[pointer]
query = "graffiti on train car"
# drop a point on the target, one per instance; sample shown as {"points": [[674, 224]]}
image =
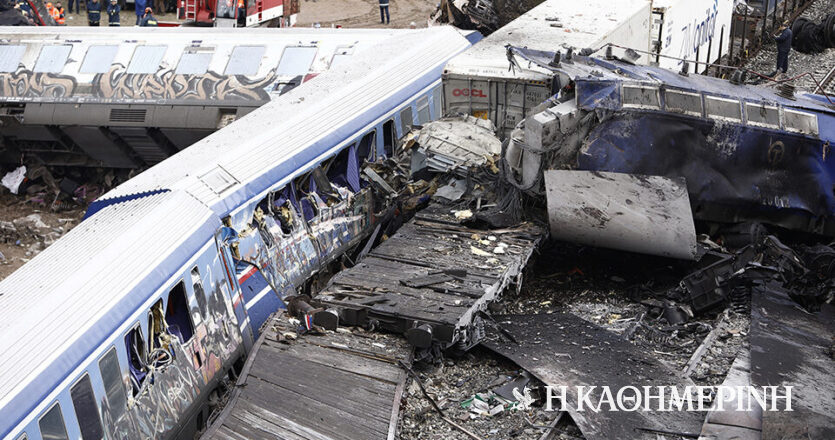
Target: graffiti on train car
{"points": [[117, 83], [24, 83], [170, 389]]}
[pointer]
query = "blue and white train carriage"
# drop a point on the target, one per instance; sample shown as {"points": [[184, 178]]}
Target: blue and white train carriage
{"points": [[123, 327]]}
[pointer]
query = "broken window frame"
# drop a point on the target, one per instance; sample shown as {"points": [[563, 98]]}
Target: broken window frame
{"points": [[814, 128], [391, 136], [371, 136], [199, 292], [654, 91], [185, 313], [275, 213], [86, 409], [55, 406], [136, 384], [753, 106], [720, 99], [300, 182]]}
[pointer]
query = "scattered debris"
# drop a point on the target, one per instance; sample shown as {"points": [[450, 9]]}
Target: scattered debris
{"points": [[456, 144]]}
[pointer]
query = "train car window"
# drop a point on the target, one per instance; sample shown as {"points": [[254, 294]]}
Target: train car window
{"points": [[52, 424], [52, 59], [309, 210], [194, 63], [23, 437], [245, 60], [763, 115], [199, 293], [98, 59], [111, 376], [802, 122], [437, 97], [135, 344], [640, 96], [295, 61], [86, 409], [406, 120], [177, 315], [146, 59], [365, 151], [680, 101], [723, 108], [10, 57], [389, 138], [423, 110]]}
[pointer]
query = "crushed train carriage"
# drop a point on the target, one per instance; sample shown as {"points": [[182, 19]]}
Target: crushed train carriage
{"points": [[152, 298]]}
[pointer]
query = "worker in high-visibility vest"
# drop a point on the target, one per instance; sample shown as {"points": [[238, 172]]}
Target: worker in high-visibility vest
{"points": [[241, 13], [58, 14]]}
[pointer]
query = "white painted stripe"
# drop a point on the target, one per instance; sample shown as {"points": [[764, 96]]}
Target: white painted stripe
{"points": [[258, 297]]}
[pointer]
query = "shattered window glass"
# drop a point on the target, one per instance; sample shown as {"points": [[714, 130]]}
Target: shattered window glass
{"points": [[295, 61], [52, 59], [52, 424], [761, 114], [423, 110], [146, 59], [800, 121], [640, 96], [723, 108], [245, 60], [683, 102], [10, 57], [194, 63], [98, 59]]}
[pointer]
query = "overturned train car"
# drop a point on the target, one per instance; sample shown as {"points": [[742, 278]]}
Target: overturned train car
{"points": [[124, 327], [747, 153]]}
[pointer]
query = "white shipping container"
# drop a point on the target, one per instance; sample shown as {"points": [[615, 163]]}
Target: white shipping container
{"points": [[479, 81], [685, 28]]}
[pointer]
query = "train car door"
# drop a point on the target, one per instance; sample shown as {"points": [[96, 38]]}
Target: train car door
{"points": [[224, 238]]}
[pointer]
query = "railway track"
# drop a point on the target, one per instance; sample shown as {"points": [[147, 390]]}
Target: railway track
{"points": [[827, 81]]}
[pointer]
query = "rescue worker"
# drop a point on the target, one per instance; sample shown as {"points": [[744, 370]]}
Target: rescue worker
{"points": [[113, 11], [148, 19], [226, 9], [384, 11], [11, 16], [77, 6], [93, 12], [58, 14], [784, 46], [159, 6], [24, 7], [140, 6], [241, 13]]}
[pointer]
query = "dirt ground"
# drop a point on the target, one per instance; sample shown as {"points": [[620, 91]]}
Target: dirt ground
{"points": [[347, 13], [364, 13]]}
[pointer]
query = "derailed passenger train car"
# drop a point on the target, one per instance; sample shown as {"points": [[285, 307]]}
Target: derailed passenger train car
{"points": [[123, 327], [747, 153]]}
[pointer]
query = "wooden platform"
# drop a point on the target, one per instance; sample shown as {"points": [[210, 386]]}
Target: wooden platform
{"points": [[340, 386], [430, 279]]}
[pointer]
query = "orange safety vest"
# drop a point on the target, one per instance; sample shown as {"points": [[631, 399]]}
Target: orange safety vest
{"points": [[240, 4], [58, 15]]}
